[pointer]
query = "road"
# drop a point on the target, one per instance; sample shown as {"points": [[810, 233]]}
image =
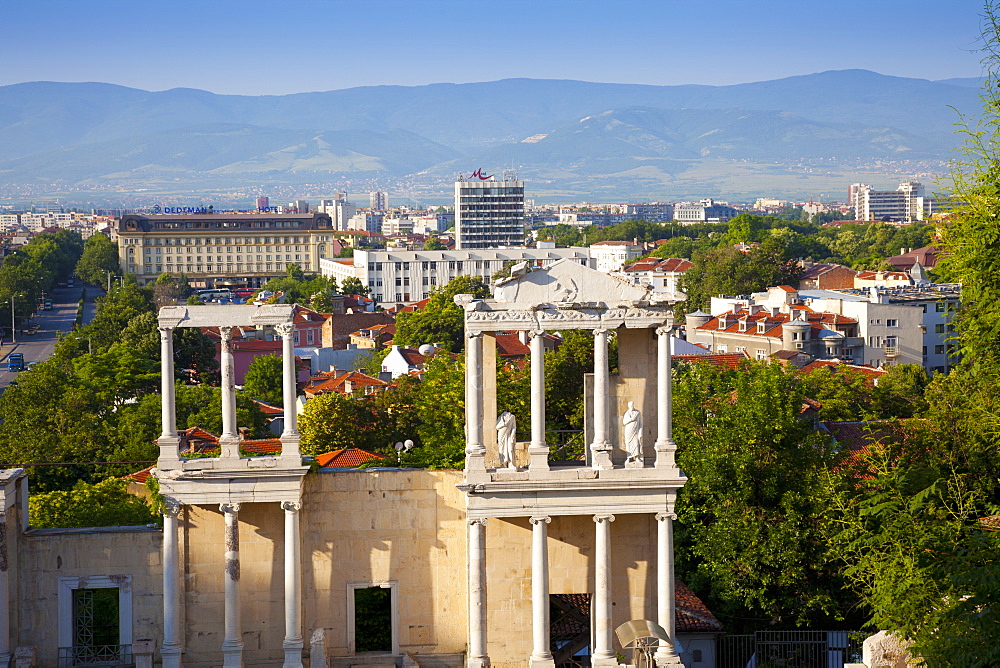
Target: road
{"points": [[38, 347]]}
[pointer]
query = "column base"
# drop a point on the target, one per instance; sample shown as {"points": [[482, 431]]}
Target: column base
{"points": [[611, 660], [170, 456], [538, 459], [171, 657], [229, 447], [541, 663], [665, 455], [232, 656], [601, 456], [667, 659], [477, 662], [293, 655]]}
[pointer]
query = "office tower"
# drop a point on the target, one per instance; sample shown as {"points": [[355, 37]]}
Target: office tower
{"points": [[489, 213]]}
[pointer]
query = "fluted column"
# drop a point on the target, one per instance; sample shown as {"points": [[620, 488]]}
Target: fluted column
{"points": [[229, 441], [538, 451], [290, 437], [603, 654], [665, 593], [5, 649], [232, 646], [168, 440], [475, 451], [478, 657], [665, 446], [293, 587], [173, 645], [541, 654], [601, 447]]}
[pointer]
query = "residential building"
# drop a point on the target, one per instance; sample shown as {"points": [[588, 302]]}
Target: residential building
{"points": [[365, 222], [907, 203], [705, 211], [900, 325], [826, 276], [222, 249], [343, 382], [780, 323], [926, 257], [660, 275], [397, 226], [343, 211], [378, 200], [489, 213], [657, 212], [611, 256], [406, 276]]}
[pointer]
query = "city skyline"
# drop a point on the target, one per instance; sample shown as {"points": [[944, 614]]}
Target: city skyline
{"points": [[261, 48]]}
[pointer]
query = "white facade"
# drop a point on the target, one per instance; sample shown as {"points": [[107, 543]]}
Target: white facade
{"points": [[489, 214], [408, 276], [907, 203], [613, 255]]}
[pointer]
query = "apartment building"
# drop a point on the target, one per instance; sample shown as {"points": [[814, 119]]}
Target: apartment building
{"points": [[908, 202], [402, 276]]}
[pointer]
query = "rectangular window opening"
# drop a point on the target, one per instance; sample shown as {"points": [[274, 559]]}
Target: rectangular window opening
{"points": [[374, 618]]}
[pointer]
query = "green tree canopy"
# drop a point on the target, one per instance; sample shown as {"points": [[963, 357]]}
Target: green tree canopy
{"points": [[441, 321], [103, 504], [263, 379], [100, 256]]}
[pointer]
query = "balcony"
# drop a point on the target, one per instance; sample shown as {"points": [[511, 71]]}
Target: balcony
{"points": [[891, 352]]}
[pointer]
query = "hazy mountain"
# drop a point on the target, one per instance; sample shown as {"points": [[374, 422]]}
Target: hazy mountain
{"points": [[92, 131]]}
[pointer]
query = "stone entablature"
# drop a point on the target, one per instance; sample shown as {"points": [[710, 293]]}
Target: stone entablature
{"points": [[568, 296]]}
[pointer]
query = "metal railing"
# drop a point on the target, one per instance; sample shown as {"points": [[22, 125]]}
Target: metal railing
{"points": [[96, 655], [790, 649]]}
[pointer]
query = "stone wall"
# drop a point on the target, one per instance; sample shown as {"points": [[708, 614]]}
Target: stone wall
{"points": [[402, 526]]}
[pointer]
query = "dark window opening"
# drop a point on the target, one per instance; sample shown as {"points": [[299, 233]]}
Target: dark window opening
{"points": [[373, 619], [569, 620]]}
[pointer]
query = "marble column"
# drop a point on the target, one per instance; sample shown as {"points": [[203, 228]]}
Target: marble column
{"points": [[665, 446], [229, 441], [475, 451], [293, 587], [5, 649], [173, 645], [538, 450], [290, 437], [478, 657], [541, 654], [601, 447], [232, 646], [665, 593], [602, 655], [168, 440]]}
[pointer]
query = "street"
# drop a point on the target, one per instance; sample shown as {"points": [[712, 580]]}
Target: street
{"points": [[38, 347]]}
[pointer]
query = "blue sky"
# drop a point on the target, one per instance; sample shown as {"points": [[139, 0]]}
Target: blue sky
{"points": [[286, 46]]}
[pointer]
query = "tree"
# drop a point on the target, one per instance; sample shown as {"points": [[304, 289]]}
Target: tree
{"points": [[264, 379], [441, 321], [433, 243], [751, 536], [727, 271], [294, 272], [103, 504], [100, 256], [166, 291], [353, 286]]}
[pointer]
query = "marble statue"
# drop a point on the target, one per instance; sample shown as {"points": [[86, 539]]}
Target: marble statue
{"points": [[632, 433], [506, 438]]}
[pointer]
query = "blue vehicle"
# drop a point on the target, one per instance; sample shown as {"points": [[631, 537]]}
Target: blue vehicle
{"points": [[15, 362]]}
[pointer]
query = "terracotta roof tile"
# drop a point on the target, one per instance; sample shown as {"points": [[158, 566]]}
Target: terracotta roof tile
{"points": [[346, 457], [691, 614], [140, 476]]}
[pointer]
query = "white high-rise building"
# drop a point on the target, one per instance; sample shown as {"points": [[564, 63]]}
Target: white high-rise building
{"points": [[489, 213], [378, 200], [908, 202]]}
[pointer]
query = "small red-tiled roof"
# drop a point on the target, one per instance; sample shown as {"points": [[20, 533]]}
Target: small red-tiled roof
{"points": [[691, 615], [883, 275], [139, 476], [723, 361], [346, 457], [787, 288], [335, 381], [509, 345], [269, 409], [262, 446], [412, 357], [730, 321], [415, 306], [677, 264]]}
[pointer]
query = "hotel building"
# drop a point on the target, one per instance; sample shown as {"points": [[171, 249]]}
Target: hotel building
{"points": [[489, 213], [222, 249]]}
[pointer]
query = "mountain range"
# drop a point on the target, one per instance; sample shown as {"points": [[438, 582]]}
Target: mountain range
{"points": [[580, 138]]}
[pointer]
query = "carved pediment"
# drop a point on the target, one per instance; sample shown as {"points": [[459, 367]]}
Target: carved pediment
{"points": [[567, 284]]}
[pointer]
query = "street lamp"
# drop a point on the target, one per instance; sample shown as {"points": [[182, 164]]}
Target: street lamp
{"points": [[13, 335]]}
